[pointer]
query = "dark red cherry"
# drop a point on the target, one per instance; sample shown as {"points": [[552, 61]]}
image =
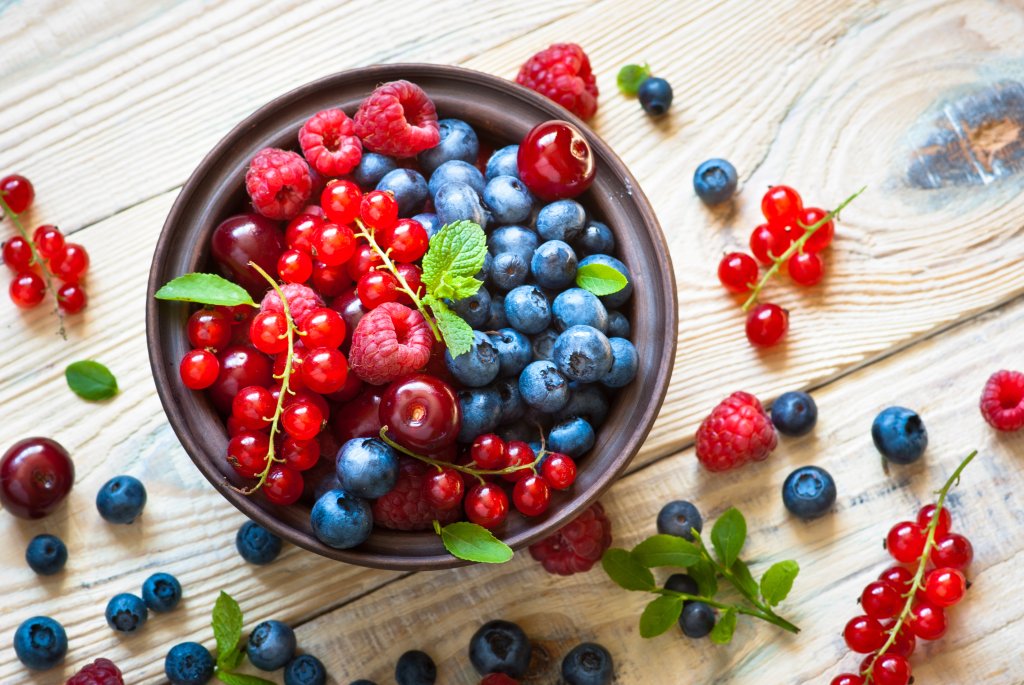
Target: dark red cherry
{"points": [[421, 413], [244, 238], [240, 367], [360, 418], [36, 474], [555, 160]]}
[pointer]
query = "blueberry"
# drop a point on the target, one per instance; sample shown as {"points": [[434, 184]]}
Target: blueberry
{"points": [[561, 220], [485, 271], [341, 520], [679, 518], [408, 187], [456, 172], [367, 467], [794, 413], [477, 367], [715, 181], [619, 298], [518, 430], [458, 141], [46, 554], [527, 309], [583, 353], [161, 592], [497, 318], [500, 647], [271, 645], [475, 309], [415, 668], [305, 669], [40, 643], [510, 401], [121, 499], [588, 664], [126, 613], [371, 169], [697, 619], [543, 345], [554, 265], [624, 364], [508, 271], [587, 402], [481, 412], [458, 202], [680, 582], [515, 239], [579, 307], [256, 544], [809, 492], [508, 199], [900, 435], [514, 351], [596, 238], [189, 663], [655, 96], [429, 222], [543, 387], [618, 325], [573, 436], [504, 162]]}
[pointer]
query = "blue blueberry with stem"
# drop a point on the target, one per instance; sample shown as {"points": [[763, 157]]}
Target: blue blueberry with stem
{"points": [[596, 238], [508, 199], [189, 663], [794, 413], [509, 270], [588, 664], [809, 492], [408, 187], [504, 162], [371, 169], [616, 299], [126, 613], [46, 554], [341, 520], [518, 240], [680, 518], [655, 96], [553, 265], [561, 220], [500, 647], [543, 344], [415, 668], [697, 619], [161, 592], [456, 171], [429, 222], [458, 142], [271, 645], [477, 367], [541, 386], [510, 401], [305, 669], [475, 309], [458, 202], [514, 351], [625, 362], [579, 307], [256, 544], [121, 499], [618, 325], [714, 181], [367, 467], [585, 401], [573, 436], [583, 353], [40, 643], [481, 412], [900, 435], [527, 309]]}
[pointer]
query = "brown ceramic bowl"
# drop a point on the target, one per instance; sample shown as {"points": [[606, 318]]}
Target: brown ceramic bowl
{"points": [[502, 112]]}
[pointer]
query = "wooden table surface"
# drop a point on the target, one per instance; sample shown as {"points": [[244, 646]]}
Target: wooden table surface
{"points": [[108, 106]]}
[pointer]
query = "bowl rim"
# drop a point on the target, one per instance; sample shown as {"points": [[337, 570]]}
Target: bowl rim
{"points": [[381, 73]]}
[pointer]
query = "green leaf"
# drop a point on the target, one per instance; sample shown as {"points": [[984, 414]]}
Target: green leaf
{"points": [[721, 634], [232, 660], [600, 279], [456, 252], [463, 286], [777, 581], [706, 576], [205, 289], [728, 536], [457, 334], [241, 679], [623, 568], [631, 76], [91, 380], [659, 615], [227, 629], [666, 550], [474, 543], [741, 572]]}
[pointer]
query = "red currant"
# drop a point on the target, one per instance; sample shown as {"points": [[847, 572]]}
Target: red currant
{"points": [[348, 391], [71, 298], [199, 369], [307, 397], [421, 412], [268, 332], [302, 420], [864, 634], [300, 455], [559, 470], [519, 454], [330, 281], [247, 453], [18, 254], [767, 324], [300, 232], [905, 542], [806, 268], [531, 495], [782, 206], [927, 620], [413, 277], [822, 237], [17, 192], [379, 210], [443, 489], [924, 519], [209, 328], [283, 485], [767, 242], [489, 452], [334, 244], [340, 201], [294, 266], [407, 240], [847, 679], [253, 407], [881, 600], [49, 241], [323, 327], [737, 272], [486, 505], [889, 669], [27, 289], [899, 577], [70, 263], [324, 370], [945, 586], [363, 261], [905, 641], [952, 550], [377, 287], [555, 161]]}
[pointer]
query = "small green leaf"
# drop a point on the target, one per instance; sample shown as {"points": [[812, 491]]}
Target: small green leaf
{"points": [[205, 289], [666, 550], [474, 543], [241, 679], [728, 536], [600, 279], [232, 660], [741, 572], [659, 615], [721, 634], [227, 629], [706, 576], [777, 581], [91, 380], [463, 286], [626, 571], [456, 251], [457, 334], [631, 76]]}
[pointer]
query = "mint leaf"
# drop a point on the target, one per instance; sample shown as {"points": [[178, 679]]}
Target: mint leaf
{"points": [[457, 334], [728, 536], [91, 380], [227, 629], [205, 289], [631, 76], [741, 572], [463, 287], [666, 550], [706, 576], [241, 679], [600, 279], [456, 252], [474, 543], [659, 615], [721, 634], [777, 581], [626, 571]]}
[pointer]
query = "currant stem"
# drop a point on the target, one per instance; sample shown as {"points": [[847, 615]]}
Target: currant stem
{"points": [[797, 246], [47, 274], [917, 584], [440, 465]]}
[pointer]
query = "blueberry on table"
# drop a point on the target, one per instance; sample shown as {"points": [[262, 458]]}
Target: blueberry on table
{"points": [[504, 162], [655, 96], [305, 669], [408, 187], [588, 664], [579, 307], [553, 265], [680, 518], [477, 367], [126, 613], [188, 663], [573, 437], [46, 554], [341, 520], [794, 413], [367, 467], [161, 592], [371, 169], [415, 668], [40, 643], [500, 647], [121, 499], [697, 619], [542, 387], [714, 181], [583, 353], [900, 435], [561, 220], [625, 362], [271, 645], [809, 492], [508, 199], [456, 171], [256, 544], [458, 142]]}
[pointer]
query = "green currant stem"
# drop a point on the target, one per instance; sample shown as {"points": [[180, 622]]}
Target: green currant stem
{"points": [[797, 246], [441, 465], [385, 256], [922, 564], [47, 275]]}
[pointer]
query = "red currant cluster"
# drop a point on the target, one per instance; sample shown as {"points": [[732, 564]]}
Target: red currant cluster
{"points": [[42, 258]]}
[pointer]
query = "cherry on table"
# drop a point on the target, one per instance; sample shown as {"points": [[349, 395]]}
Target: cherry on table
{"points": [[555, 161], [36, 474]]}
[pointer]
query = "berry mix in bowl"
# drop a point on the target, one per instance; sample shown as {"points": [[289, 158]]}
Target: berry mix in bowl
{"points": [[443, 316]]}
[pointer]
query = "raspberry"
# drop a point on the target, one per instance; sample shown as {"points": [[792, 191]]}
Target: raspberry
{"points": [[562, 73], [498, 679], [301, 301], [329, 143], [737, 431], [398, 120], [390, 341], [576, 547], [405, 507], [99, 672], [1002, 400], [279, 183]]}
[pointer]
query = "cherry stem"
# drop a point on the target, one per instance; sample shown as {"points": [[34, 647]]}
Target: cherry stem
{"points": [[922, 564], [797, 246], [36, 259]]}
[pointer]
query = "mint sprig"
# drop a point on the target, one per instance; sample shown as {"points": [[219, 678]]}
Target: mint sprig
{"points": [[227, 631]]}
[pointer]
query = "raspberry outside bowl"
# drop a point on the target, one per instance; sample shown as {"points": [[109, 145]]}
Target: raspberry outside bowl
{"points": [[502, 112]]}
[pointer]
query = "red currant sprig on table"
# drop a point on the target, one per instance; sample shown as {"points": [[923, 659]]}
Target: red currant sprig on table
{"points": [[905, 605], [794, 236]]}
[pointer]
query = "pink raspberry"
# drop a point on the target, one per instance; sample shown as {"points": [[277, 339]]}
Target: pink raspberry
{"points": [[577, 546], [389, 341], [562, 73], [279, 183], [398, 119], [736, 431], [301, 301], [99, 672], [1002, 401], [405, 507], [329, 143]]}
